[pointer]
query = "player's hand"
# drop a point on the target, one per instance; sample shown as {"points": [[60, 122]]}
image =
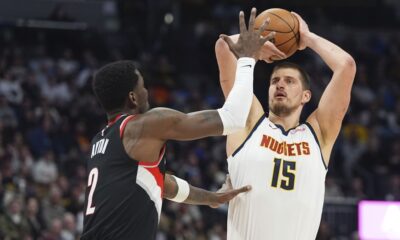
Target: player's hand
{"points": [[227, 193], [304, 31], [250, 40], [269, 51]]}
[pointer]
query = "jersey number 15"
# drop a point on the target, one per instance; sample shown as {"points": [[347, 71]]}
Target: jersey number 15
{"points": [[285, 172]]}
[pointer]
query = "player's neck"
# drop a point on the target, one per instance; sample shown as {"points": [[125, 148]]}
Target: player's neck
{"points": [[112, 115], [287, 122]]}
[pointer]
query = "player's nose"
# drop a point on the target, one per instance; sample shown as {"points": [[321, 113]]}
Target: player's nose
{"points": [[280, 85]]}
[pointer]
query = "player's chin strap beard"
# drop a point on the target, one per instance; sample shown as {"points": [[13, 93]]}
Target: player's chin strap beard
{"points": [[281, 111]]}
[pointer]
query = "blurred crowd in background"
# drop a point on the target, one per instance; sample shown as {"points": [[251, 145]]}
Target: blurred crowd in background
{"points": [[48, 113]]}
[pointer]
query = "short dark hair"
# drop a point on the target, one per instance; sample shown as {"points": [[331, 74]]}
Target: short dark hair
{"points": [[304, 77], [113, 82]]}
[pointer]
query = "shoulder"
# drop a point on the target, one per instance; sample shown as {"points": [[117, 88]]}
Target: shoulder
{"points": [[151, 123], [151, 115], [159, 113]]}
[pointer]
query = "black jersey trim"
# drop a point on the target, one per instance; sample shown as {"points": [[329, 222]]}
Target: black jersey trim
{"points": [[284, 132], [115, 119], [250, 134], [280, 127], [316, 139]]}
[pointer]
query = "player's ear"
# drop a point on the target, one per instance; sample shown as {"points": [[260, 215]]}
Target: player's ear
{"points": [[132, 99], [306, 96]]}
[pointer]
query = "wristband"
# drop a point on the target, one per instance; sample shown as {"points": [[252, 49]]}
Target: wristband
{"points": [[183, 190]]}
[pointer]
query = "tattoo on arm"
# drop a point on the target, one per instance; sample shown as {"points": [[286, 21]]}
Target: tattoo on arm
{"points": [[170, 124], [209, 116], [199, 196], [196, 195]]}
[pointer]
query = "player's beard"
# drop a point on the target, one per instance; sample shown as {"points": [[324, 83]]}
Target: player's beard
{"points": [[281, 110]]}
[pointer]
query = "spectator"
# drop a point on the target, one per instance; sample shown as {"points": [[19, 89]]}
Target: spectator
{"points": [[357, 189], [11, 89], [35, 221], [54, 232], [45, 170], [13, 224], [53, 206], [69, 227], [332, 189], [7, 115], [393, 193]]}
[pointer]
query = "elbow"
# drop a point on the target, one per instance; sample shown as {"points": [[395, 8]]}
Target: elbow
{"points": [[351, 63], [352, 66], [348, 64]]}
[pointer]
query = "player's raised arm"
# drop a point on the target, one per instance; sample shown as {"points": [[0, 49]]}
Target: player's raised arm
{"points": [[334, 102], [227, 64], [227, 61], [170, 124], [178, 190]]}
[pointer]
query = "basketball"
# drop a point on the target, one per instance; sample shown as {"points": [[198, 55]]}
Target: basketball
{"points": [[286, 27]]}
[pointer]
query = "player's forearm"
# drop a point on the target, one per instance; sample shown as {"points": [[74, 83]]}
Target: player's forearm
{"points": [[226, 64], [336, 58], [196, 196]]}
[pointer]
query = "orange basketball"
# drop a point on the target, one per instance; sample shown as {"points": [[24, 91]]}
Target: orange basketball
{"points": [[286, 27]]}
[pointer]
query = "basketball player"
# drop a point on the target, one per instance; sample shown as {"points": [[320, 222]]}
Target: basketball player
{"points": [[285, 161], [126, 168]]}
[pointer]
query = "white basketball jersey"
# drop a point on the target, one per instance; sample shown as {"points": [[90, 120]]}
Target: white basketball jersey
{"points": [[287, 174]]}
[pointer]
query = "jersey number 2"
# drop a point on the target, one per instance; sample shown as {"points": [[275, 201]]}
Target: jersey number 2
{"points": [[92, 182], [286, 174]]}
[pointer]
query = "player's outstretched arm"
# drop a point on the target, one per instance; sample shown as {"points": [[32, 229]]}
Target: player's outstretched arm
{"points": [[178, 190], [227, 61], [166, 124], [335, 100]]}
